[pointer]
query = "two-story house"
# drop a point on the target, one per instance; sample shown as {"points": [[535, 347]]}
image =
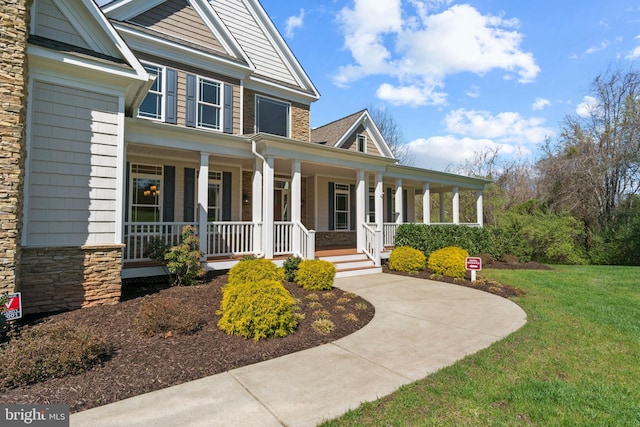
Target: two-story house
{"points": [[143, 116]]}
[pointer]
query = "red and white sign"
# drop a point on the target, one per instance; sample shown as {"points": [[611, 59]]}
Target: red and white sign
{"points": [[13, 306], [474, 263]]}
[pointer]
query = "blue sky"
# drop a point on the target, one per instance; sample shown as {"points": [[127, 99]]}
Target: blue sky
{"points": [[458, 76]]}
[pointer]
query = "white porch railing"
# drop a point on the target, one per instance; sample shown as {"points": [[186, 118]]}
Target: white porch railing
{"points": [[307, 242], [226, 238], [372, 240], [138, 235], [389, 234], [282, 237]]}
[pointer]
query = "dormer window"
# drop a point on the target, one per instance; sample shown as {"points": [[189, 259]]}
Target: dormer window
{"points": [[272, 116], [361, 141], [152, 106]]}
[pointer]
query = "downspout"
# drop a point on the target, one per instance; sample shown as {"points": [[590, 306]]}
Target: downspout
{"points": [[259, 156]]}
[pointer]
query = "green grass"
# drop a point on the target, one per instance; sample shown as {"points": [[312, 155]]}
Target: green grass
{"points": [[575, 363]]}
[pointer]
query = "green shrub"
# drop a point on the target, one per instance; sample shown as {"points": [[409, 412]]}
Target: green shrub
{"points": [[291, 267], [49, 351], [315, 274], [404, 258], [449, 261], [158, 316], [183, 260], [257, 310], [255, 270]]}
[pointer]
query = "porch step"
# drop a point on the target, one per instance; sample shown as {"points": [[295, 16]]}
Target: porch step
{"points": [[354, 264]]}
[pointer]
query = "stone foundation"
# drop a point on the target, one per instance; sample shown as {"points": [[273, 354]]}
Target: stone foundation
{"points": [[55, 279], [327, 239]]}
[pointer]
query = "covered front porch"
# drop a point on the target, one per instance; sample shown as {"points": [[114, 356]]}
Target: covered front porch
{"points": [[273, 197]]}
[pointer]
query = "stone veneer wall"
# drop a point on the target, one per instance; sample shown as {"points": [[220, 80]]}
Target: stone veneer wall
{"points": [[54, 279], [300, 121], [14, 31]]}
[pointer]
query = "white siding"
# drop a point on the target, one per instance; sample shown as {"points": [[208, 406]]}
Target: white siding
{"points": [[51, 23], [73, 165], [253, 40]]}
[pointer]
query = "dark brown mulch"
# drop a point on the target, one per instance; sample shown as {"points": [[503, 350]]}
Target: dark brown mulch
{"points": [[141, 364], [491, 286]]}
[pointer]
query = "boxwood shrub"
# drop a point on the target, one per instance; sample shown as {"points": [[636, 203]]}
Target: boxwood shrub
{"points": [[255, 270], [406, 259], [315, 274], [449, 261]]}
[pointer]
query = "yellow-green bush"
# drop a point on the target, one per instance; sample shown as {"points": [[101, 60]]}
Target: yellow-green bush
{"points": [[449, 261], [404, 258], [257, 310], [315, 274], [255, 270]]}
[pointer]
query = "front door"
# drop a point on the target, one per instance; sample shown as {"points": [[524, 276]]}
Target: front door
{"points": [[281, 200]]}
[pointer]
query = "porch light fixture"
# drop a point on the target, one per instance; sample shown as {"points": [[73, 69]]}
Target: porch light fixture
{"points": [[152, 191]]}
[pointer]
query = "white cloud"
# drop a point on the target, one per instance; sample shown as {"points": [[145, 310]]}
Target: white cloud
{"points": [[441, 152], [635, 53], [602, 46], [587, 106], [507, 127], [540, 104], [293, 23], [419, 50], [473, 92]]}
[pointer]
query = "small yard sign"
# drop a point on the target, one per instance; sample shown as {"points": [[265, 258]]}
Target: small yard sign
{"points": [[474, 264], [13, 306]]}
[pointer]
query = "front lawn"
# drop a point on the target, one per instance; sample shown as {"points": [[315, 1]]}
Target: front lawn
{"points": [[575, 362]]}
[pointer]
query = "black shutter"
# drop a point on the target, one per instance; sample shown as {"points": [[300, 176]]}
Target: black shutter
{"points": [[171, 99], [227, 114], [352, 206], [226, 196], [168, 194], [189, 194], [332, 201], [191, 100], [390, 205], [405, 213]]}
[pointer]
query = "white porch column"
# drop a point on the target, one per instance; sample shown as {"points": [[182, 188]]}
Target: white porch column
{"points": [[456, 205], [399, 205], [360, 207], [479, 209], [441, 194], [267, 207], [256, 205], [203, 202], [296, 203], [426, 203]]}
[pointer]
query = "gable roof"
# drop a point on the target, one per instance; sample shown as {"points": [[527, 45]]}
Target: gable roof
{"points": [[88, 40], [243, 40], [336, 133]]}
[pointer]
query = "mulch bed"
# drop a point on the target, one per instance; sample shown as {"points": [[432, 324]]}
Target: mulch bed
{"points": [[140, 364]]}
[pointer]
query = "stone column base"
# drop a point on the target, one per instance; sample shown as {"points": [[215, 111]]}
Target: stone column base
{"points": [[67, 278]]}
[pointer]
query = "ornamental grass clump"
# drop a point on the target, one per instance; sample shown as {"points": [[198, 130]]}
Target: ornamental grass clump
{"points": [[407, 259], [256, 310], [50, 351], [449, 261], [315, 274], [255, 270]]}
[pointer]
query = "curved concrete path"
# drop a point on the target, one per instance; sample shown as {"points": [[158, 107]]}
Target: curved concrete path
{"points": [[419, 327]]}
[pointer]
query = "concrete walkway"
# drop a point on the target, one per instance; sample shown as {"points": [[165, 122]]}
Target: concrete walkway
{"points": [[419, 327]]}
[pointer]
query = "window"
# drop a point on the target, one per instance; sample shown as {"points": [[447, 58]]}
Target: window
{"points": [[361, 141], [372, 204], [152, 106], [145, 193], [342, 207], [272, 116], [215, 196], [209, 102]]}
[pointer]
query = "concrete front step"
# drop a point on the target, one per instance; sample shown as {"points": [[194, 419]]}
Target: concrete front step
{"points": [[349, 265], [358, 272], [345, 258]]}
